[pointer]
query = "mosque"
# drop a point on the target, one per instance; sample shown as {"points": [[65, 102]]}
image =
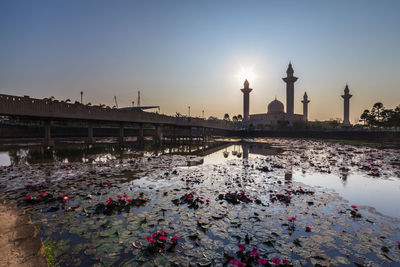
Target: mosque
{"points": [[276, 109]]}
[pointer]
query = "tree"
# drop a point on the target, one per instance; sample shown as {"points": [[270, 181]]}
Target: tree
{"points": [[377, 110], [282, 123], [240, 118], [226, 117], [234, 119], [334, 123], [68, 100]]}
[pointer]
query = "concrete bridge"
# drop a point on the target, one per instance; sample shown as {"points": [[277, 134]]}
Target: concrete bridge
{"points": [[48, 110]]}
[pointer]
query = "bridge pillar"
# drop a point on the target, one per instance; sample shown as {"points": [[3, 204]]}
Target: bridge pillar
{"points": [[90, 139], [47, 134], [190, 134], [158, 133], [121, 132], [140, 137]]}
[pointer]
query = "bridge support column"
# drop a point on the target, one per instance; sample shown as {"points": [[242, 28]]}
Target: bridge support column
{"points": [[191, 134], [121, 132], [47, 134], [90, 139], [158, 133], [140, 137]]}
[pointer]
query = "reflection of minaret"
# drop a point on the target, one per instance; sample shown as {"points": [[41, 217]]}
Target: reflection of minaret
{"points": [[305, 102], [346, 98], [288, 176], [245, 148], [343, 177], [289, 80], [246, 100]]}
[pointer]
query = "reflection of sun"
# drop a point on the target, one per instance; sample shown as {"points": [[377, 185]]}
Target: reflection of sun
{"points": [[246, 73]]}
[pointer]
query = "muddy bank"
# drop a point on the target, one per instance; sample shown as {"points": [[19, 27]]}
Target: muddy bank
{"points": [[20, 245]]}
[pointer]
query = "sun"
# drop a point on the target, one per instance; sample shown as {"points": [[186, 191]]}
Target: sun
{"points": [[246, 73]]}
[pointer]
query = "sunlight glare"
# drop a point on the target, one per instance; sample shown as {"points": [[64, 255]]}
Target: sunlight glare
{"points": [[246, 73]]}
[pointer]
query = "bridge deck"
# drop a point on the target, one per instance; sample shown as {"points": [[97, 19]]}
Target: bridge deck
{"points": [[46, 109]]}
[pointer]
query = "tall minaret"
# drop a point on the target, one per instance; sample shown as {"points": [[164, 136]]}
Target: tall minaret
{"points": [[305, 102], [346, 97], [246, 100], [289, 80]]}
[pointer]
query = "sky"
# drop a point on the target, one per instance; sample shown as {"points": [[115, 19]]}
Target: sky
{"points": [[193, 53]]}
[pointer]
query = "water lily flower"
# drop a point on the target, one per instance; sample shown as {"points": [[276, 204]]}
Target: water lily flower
{"points": [[285, 261], [148, 237], [119, 196], [292, 219], [63, 191], [151, 241], [129, 200], [241, 247], [354, 206], [137, 203], [42, 193], [262, 261], [174, 239], [27, 197], [276, 261], [162, 237], [154, 235], [398, 243]]}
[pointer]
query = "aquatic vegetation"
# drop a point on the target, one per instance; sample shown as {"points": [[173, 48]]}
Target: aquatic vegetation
{"points": [[113, 207], [191, 199], [252, 257], [237, 198], [116, 206]]}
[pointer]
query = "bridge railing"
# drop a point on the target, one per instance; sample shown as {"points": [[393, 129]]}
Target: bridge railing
{"points": [[53, 109]]}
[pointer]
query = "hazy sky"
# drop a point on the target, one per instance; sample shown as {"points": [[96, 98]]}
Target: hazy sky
{"points": [[190, 53]]}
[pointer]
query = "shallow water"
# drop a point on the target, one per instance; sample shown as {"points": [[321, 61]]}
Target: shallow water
{"points": [[158, 179]]}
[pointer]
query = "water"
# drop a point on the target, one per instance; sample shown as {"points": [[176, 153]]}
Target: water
{"points": [[332, 178]]}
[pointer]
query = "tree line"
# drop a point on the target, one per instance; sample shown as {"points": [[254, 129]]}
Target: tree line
{"points": [[379, 116]]}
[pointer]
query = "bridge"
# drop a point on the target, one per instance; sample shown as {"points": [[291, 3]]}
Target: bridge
{"points": [[48, 110]]}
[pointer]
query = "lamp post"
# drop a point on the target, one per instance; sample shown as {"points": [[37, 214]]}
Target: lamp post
{"points": [[81, 97], [189, 110], [202, 113]]}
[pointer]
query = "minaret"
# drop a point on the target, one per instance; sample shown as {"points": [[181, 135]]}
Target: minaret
{"points": [[346, 97], [289, 80], [246, 100], [305, 102]]}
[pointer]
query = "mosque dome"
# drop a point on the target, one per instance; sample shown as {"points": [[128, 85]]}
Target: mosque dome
{"points": [[275, 107]]}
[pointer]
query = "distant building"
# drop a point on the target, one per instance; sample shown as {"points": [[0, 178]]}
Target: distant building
{"points": [[276, 109]]}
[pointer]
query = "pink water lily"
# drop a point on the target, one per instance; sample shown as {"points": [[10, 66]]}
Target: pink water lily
{"points": [[262, 261], [308, 229], [285, 261], [276, 261], [292, 219], [148, 238]]}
